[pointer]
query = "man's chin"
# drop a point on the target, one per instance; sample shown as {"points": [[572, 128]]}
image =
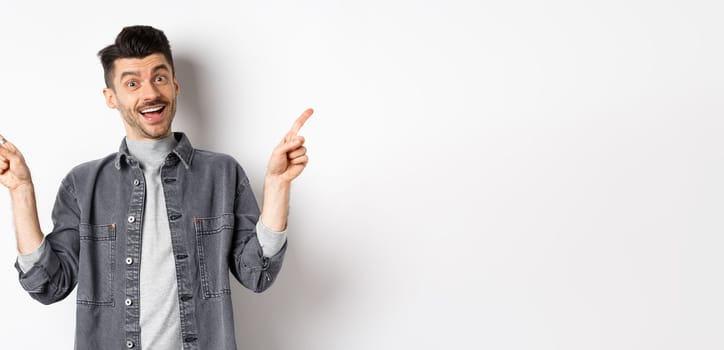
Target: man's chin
{"points": [[156, 134]]}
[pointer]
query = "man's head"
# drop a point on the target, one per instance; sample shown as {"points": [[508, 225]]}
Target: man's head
{"points": [[141, 82], [134, 42]]}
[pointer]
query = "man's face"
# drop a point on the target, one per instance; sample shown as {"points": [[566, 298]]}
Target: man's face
{"points": [[144, 91]]}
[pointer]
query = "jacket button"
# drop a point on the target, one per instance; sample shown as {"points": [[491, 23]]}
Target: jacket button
{"points": [[129, 261], [129, 344], [136, 182], [131, 219], [129, 302]]}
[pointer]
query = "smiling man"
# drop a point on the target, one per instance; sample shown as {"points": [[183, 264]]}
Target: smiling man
{"points": [[150, 233]]}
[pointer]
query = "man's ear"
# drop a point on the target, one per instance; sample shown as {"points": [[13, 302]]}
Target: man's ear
{"points": [[175, 82], [110, 98]]}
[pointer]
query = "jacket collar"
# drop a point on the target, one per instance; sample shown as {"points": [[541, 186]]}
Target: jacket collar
{"points": [[183, 151]]}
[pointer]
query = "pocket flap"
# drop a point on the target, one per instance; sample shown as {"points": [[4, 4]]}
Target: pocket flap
{"points": [[97, 232], [210, 226]]}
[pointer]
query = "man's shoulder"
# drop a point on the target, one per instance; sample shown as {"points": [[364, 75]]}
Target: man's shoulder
{"points": [[92, 166], [217, 163], [213, 158]]}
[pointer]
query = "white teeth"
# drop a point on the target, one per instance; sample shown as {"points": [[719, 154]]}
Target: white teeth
{"points": [[151, 110]]}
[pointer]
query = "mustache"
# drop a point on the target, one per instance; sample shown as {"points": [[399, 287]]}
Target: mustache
{"points": [[158, 101]]}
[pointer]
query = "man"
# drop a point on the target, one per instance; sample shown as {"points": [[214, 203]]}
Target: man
{"points": [[150, 233]]}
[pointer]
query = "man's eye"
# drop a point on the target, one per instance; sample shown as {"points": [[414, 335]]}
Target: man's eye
{"points": [[131, 84], [160, 79]]}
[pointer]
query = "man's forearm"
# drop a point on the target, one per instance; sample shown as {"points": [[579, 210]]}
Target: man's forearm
{"points": [[276, 204], [286, 163], [25, 212]]}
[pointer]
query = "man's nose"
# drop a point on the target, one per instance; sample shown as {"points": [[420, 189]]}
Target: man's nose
{"points": [[149, 92]]}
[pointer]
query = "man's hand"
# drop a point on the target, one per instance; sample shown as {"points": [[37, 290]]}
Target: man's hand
{"points": [[13, 171], [286, 163], [15, 175], [290, 156]]}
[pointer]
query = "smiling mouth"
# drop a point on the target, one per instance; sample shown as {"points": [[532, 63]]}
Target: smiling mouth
{"points": [[153, 114], [157, 109]]}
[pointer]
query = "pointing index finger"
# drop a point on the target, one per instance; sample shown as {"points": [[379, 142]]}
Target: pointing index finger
{"points": [[4, 143], [300, 122]]}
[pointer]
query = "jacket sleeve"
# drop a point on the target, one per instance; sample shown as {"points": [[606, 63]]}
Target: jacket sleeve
{"points": [[55, 273], [247, 261]]}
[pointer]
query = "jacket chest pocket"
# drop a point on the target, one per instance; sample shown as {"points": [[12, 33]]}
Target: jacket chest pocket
{"points": [[213, 241], [95, 275]]}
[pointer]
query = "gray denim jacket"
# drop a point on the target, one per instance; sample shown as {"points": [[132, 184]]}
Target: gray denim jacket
{"points": [[96, 244]]}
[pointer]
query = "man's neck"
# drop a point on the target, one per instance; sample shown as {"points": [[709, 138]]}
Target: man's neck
{"points": [[151, 153]]}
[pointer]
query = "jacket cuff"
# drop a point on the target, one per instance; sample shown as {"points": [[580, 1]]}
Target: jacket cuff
{"points": [[271, 241], [26, 261], [261, 270], [36, 278]]}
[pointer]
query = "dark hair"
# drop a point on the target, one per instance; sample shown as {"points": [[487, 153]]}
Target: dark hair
{"points": [[134, 42]]}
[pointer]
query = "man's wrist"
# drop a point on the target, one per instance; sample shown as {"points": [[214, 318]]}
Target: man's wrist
{"points": [[276, 183], [22, 189], [23, 197]]}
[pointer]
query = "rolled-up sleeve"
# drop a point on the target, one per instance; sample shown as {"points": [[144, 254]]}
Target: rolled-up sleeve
{"points": [[271, 241], [26, 261], [249, 264], [53, 267]]}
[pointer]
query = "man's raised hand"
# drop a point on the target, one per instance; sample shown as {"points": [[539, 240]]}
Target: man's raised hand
{"points": [[290, 156], [13, 170]]}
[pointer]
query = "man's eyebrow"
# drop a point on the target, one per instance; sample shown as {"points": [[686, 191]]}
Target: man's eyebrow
{"points": [[132, 73], [161, 66]]}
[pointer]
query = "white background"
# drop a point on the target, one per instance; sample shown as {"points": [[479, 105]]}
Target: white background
{"points": [[483, 174]]}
